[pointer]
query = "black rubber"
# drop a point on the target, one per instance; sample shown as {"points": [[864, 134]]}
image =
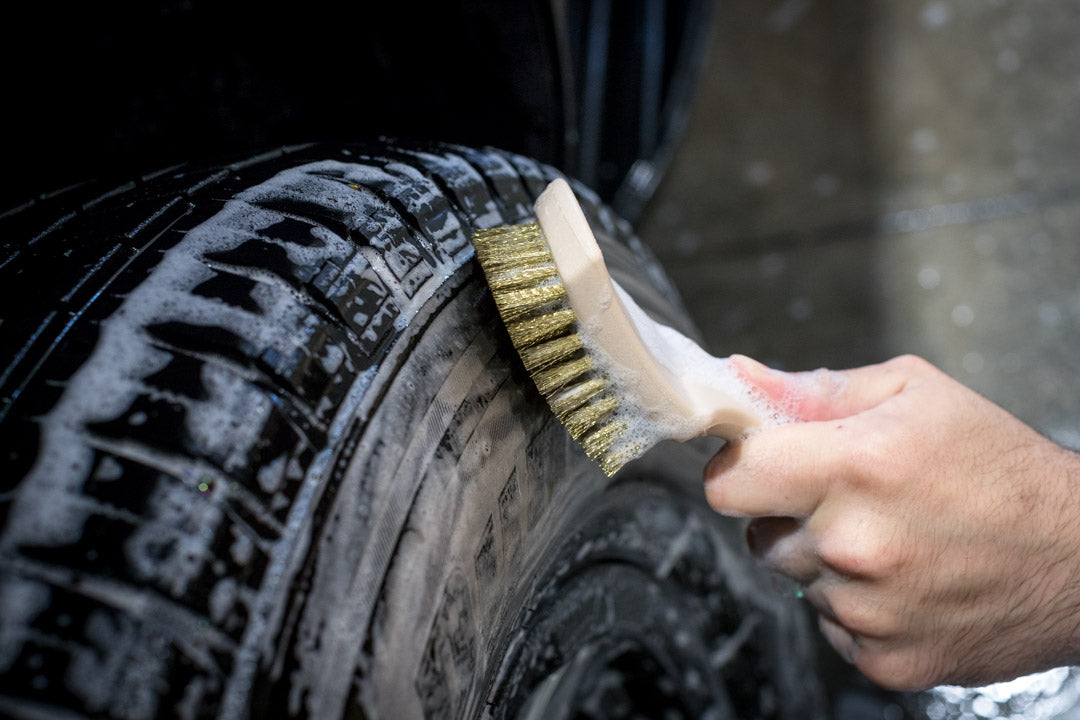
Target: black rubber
{"points": [[268, 452]]}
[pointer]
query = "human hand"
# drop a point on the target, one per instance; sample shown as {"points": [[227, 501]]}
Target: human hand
{"points": [[936, 535]]}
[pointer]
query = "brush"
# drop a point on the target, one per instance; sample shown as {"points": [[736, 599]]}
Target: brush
{"points": [[618, 380]]}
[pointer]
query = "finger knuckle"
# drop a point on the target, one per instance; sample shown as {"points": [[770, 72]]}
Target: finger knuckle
{"points": [[864, 615], [909, 362], [856, 548], [874, 456]]}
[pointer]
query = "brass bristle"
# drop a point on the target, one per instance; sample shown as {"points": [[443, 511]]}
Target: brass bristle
{"points": [[513, 304], [532, 301], [555, 378], [506, 235], [548, 353], [511, 280], [503, 248], [585, 417], [612, 461], [570, 399], [514, 259], [542, 327], [599, 442]]}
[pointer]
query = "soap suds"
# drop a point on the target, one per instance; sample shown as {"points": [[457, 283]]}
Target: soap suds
{"points": [[49, 507], [687, 364]]}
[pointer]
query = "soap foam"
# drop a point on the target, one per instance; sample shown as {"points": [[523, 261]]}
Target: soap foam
{"points": [[686, 363], [50, 507], [801, 387]]}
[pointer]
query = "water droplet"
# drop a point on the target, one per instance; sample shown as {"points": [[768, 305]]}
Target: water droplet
{"points": [[825, 185], [800, 309], [758, 174], [1008, 61], [771, 265], [984, 707], [929, 278], [1049, 315], [923, 141], [935, 15], [787, 14], [963, 315]]}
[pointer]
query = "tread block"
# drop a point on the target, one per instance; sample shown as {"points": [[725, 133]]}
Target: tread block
{"points": [[459, 181], [226, 314], [231, 289], [266, 256], [154, 421], [504, 182]]}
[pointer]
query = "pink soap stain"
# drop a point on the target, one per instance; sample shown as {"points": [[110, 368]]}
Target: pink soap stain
{"points": [[800, 396]]}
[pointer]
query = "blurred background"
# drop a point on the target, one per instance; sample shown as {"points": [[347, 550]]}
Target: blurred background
{"points": [[863, 179]]}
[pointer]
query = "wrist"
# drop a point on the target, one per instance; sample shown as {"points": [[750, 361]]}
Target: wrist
{"points": [[1048, 494]]}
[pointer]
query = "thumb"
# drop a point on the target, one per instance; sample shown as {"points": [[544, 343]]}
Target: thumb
{"points": [[828, 394]]}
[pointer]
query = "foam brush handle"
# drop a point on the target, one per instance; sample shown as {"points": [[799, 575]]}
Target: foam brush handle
{"points": [[656, 371]]}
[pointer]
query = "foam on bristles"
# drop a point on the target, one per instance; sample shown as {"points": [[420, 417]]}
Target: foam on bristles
{"points": [[588, 387], [683, 358]]}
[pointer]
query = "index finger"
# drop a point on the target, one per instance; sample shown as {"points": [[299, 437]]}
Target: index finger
{"points": [[828, 394], [781, 472]]}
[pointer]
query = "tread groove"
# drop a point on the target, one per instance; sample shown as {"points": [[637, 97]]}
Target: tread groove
{"points": [[448, 192], [271, 276], [237, 498], [225, 432], [493, 189], [252, 370]]}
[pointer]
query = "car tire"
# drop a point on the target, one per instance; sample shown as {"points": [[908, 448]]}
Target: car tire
{"points": [[269, 452]]}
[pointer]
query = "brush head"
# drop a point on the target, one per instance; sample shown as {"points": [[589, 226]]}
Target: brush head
{"points": [[531, 299], [617, 379]]}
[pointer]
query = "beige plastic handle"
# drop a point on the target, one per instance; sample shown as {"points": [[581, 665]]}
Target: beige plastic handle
{"points": [[654, 369]]}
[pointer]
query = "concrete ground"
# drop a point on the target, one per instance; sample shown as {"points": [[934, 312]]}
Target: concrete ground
{"points": [[863, 179]]}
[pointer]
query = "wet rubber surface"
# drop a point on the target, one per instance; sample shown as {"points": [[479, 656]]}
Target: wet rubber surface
{"points": [[274, 455]]}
